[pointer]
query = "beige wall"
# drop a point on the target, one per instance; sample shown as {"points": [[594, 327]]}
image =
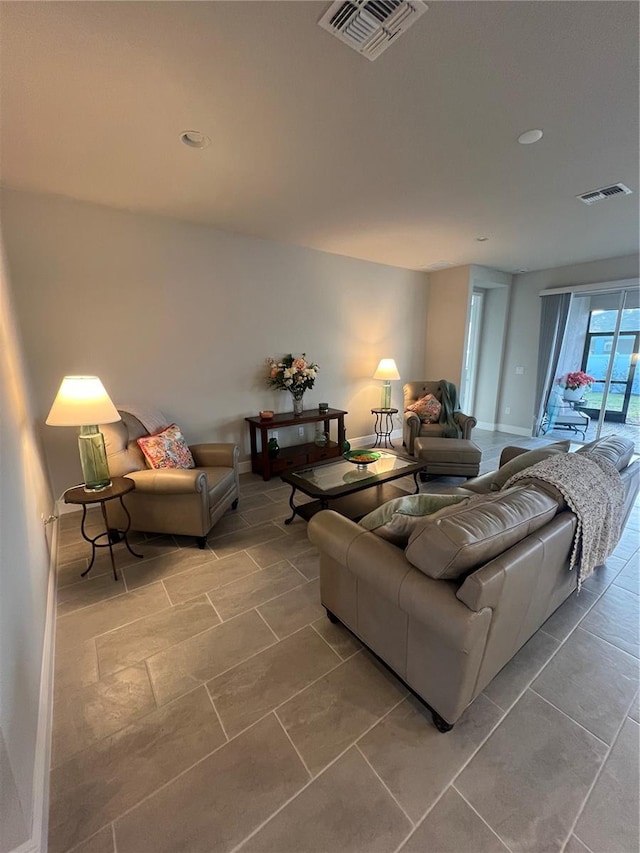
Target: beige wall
{"points": [[182, 316], [24, 568], [446, 324], [518, 392]]}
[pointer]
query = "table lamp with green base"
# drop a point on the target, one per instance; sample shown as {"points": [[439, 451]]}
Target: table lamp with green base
{"points": [[386, 371], [83, 401]]}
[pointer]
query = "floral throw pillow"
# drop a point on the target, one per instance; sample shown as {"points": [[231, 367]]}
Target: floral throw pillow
{"points": [[166, 449], [427, 408]]}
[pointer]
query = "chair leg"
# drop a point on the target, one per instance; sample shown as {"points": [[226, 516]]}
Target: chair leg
{"points": [[234, 505], [202, 541]]}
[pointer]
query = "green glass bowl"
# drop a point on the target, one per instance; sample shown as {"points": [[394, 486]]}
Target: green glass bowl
{"points": [[362, 458]]}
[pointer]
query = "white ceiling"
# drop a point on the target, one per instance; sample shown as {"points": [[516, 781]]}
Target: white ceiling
{"points": [[404, 161]]}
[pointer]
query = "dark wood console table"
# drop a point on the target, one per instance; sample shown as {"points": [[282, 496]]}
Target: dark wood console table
{"points": [[300, 454]]}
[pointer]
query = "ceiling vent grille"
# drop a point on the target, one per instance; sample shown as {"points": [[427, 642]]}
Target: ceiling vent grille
{"points": [[369, 26], [605, 192]]}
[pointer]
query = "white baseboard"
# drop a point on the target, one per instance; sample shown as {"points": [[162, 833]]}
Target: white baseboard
{"points": [[484, 425], [37, 843], [513, 429]]}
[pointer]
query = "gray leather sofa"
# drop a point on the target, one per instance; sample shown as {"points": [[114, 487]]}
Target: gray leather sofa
{"points": [[447, 627]]}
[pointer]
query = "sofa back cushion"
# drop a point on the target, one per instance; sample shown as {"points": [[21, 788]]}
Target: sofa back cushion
{"points": [[396, 519], [458, 539], [615, 448], [123, 454], [525, 460]]}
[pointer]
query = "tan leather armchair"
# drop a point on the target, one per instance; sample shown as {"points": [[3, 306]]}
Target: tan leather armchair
{"points": [[412, 426], [186, 502]]}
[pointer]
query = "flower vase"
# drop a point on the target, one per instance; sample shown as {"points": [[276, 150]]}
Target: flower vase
{"points": [[573, 394], [297, 406]]}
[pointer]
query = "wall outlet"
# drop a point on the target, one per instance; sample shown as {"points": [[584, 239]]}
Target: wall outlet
{"points": [[300, 430], [520, 371], [507, 410]]}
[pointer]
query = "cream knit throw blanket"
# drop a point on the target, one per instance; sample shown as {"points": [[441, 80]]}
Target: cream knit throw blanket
{"points": [[593, 489]]}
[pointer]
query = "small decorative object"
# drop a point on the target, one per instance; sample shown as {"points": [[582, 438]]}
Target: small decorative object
{"points": [[427, 408], [295, 374], [386, 371], [362, 458], [575, 384], [323, 408], [346, 445], [273, 448], [266, 414], [321, 438]]}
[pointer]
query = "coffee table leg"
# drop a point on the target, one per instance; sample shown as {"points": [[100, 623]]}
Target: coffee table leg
{"points": [[415, 480], [292, 505]]}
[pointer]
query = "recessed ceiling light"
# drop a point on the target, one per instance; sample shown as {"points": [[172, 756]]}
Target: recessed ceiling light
{"points": [[482, 239], [530, 136], [195, 139]]}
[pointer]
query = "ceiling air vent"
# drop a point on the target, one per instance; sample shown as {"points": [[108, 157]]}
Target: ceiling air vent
{"points": [[605, 192], [369, 26]]}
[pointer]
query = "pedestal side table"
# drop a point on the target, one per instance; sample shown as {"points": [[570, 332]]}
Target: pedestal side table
{"points": [[383, 426], [116, 491]]}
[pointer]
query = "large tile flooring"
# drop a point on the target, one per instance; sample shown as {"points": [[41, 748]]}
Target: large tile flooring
{"points": [[205, 703]]}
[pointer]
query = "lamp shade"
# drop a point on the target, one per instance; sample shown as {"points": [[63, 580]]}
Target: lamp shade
{"points": [[386, 369], [81, 401]]}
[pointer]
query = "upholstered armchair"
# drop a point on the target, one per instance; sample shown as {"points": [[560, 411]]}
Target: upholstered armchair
{"points": [[413, 427], [181, 501]]}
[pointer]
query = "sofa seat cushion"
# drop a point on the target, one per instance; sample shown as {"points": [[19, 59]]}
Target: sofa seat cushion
{"points": [[396, 520], [458, 539], [526, 460]]}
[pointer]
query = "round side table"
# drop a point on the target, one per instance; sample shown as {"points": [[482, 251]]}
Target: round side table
{"points": [[383, 426], [119, 487]]}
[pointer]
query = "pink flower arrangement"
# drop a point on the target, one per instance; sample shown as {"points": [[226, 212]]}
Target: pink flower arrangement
{"points": [[575, 380], [292, 373]]}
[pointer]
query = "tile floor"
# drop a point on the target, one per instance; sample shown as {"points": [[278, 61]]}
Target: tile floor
{"points": [[205, 703]]}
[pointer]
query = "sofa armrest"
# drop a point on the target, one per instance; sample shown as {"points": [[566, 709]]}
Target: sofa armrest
{"points": [[169, 481], [334, 534], [223, 455], [465, 422], [410, 430], [510, 452], [384, 567]]}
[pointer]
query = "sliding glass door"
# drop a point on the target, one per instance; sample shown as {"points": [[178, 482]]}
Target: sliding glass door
{"points": [[601, 340]]}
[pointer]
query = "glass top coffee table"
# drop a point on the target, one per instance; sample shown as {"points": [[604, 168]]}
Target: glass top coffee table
{"points": [[348, 489]]}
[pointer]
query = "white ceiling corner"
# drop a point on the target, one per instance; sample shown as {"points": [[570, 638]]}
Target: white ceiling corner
{"points": [[404, 161]]}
